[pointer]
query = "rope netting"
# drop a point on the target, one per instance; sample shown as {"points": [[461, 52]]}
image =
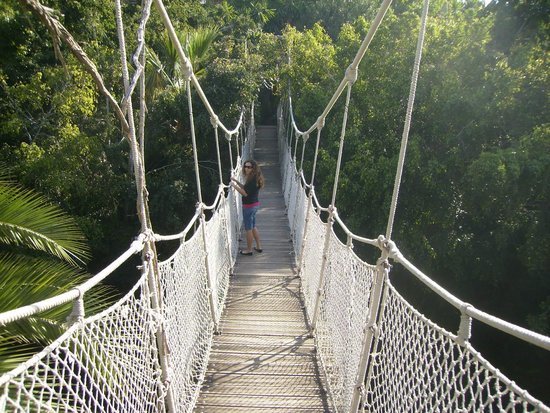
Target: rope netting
{"points": [[414, 365], [149, 351], [107, 363], [418, 367]]}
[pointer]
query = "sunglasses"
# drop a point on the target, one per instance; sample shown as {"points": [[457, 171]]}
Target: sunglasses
{"points": [[248, 166]]}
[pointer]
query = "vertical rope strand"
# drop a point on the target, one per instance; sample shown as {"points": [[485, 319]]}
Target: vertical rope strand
{"points": [[408, 116], [193, 140], [228, 138], [142, 109], [341, 148], [139, 174], [315, 156], [218, 152]]}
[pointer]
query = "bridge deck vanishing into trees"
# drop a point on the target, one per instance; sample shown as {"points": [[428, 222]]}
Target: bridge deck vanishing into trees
{"points": [[264, 360]]}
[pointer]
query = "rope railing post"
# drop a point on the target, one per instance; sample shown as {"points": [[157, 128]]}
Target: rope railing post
{"points": [[342, 136], [408, 116], [78, 313], [237, 145], [465, 327], [326, 245], [289, 128], [148, 267], [139, 173], [297, 136], [149, 256], [228, 139], [371, 325], [210, 285], [310, 196], [214, 122], [305, 137], [142, 108]]}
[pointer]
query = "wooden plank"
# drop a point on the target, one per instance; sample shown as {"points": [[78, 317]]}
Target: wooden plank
{"points": [[264, 400], [264, 359]]}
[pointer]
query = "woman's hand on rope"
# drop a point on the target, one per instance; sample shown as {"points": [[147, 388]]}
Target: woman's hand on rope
{"points": [[237, 182]]}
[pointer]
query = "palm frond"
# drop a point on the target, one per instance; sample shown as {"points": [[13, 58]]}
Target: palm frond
{"points": [[156, 76], [13, 353], [25, 280], [28, 220], [199, 42]]}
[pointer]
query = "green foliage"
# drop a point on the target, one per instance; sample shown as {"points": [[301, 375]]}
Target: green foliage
{"points": [[165, 68], [470, 184], [472, 209], [27, 220], [28, 223]]}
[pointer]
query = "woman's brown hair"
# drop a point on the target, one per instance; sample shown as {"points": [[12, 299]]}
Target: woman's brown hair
{"points": [[256, 173]]}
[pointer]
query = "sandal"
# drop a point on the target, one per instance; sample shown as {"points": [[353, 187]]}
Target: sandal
{"points": [[245, 253], [258, 249]]}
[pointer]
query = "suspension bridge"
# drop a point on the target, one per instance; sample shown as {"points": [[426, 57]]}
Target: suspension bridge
{"points": [[305, 325]]}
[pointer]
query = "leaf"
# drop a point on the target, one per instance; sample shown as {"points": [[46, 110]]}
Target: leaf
{"points": [[28, 220]]}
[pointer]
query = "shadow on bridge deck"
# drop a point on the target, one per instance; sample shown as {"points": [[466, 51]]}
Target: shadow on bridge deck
{"points": [[263, 360]]}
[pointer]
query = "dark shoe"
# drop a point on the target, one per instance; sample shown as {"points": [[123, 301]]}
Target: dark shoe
{"points": [[245, 253], [258, 249]]}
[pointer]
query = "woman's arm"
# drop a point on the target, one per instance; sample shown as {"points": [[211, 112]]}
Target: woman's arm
{"points": [[238, 187]]}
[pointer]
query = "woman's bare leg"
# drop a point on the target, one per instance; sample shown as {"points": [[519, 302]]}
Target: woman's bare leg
{"points": [[256, 236], [249, 238]]}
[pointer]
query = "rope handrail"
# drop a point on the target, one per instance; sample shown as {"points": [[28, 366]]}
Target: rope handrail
{"points": [[350, 234], [182, 234], [468, 309], [352, 68], [74, 293], [189, 72], [214, 203], [318, 206], [40, 355]]}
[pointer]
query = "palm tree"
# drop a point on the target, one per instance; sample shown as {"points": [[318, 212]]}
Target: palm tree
{"points": [[41, 253], [165, 68]]}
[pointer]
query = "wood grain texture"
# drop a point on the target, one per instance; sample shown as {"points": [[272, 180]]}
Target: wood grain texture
{"points": [[264, 360]]}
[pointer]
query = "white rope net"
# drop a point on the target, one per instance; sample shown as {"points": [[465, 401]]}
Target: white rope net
{"points": [[342, 316], [188, 322], [107, 363], [218, 254], [312, 260], [415, 365], [419, 367]]}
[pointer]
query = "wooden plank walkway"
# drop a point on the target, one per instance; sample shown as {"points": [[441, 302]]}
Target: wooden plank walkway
{"points": [[263, 360]]}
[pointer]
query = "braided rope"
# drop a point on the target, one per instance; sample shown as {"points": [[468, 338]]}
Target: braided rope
{"points": [[408, 116]]}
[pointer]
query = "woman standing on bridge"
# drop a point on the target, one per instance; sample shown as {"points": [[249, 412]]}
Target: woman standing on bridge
{"points": [[250, 190]]}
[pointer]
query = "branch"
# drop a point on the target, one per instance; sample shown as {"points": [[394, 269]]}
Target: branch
{"points": [[60, 33]]}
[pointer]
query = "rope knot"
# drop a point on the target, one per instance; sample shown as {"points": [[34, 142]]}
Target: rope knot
{"points": [[305, 137], [214, 120], [149, 235], [465, 327], [351, 74], [187, 70], [320, 122]]}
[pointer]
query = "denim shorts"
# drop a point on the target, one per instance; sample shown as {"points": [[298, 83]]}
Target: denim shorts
{"points": [[249, 217]]}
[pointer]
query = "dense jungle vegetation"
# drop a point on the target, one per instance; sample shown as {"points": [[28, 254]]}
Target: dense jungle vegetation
{"points": [[474, 208]]}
